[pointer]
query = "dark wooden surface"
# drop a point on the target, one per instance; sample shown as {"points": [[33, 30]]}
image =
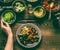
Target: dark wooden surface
{"points": [[50, 37]]}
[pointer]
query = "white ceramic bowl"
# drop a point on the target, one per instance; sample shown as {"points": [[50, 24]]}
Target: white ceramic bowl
{"points": [[28, 45]]}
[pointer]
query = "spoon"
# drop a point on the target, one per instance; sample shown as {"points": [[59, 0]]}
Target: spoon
{"points": [[51, 5]]}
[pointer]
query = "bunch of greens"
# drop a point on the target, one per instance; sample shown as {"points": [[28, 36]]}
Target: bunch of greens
{"points": [[8, 16]]}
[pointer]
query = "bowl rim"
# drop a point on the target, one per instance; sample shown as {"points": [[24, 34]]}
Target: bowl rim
{"points": [[19, 1], [8, 11], [34, 44], [32, 1], [42, 8]]}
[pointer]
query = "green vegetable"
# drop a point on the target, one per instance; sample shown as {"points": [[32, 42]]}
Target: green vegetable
{"points": [[28, 35], [8, 16]]}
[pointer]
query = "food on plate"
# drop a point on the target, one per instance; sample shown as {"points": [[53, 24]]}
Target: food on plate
{"points": [[28, 35], [47, 3], [8, 16], [39, 12], [18, 6]]}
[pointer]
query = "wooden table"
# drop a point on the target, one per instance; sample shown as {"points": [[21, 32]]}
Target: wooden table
{"points": [[50, 37]]}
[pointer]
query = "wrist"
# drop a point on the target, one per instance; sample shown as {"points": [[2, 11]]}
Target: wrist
{"points": [[10, 35], [9, 32]]}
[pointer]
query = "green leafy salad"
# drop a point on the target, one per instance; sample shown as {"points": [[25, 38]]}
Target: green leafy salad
{"points": [[28, 35], [8, 16]]}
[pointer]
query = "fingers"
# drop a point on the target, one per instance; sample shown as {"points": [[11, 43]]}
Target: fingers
{"points": [[2, 26], [7, 24]]}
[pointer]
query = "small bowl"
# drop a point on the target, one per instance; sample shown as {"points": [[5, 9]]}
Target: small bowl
{"points": [[18, 6], [10, 12], [39, 12]]}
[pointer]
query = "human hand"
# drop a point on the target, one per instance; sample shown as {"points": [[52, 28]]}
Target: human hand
{"points": [[6, 28]]}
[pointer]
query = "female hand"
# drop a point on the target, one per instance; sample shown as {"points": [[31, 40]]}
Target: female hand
{"points": [[6, 28]]}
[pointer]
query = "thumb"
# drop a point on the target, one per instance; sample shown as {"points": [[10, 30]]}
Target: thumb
{"points": [[2, 25]]}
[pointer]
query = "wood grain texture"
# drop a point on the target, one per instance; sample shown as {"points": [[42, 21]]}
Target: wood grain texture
{"points": [[50, 37]]}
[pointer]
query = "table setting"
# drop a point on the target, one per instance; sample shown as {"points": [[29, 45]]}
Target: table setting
{"points": [[35, 24]]}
